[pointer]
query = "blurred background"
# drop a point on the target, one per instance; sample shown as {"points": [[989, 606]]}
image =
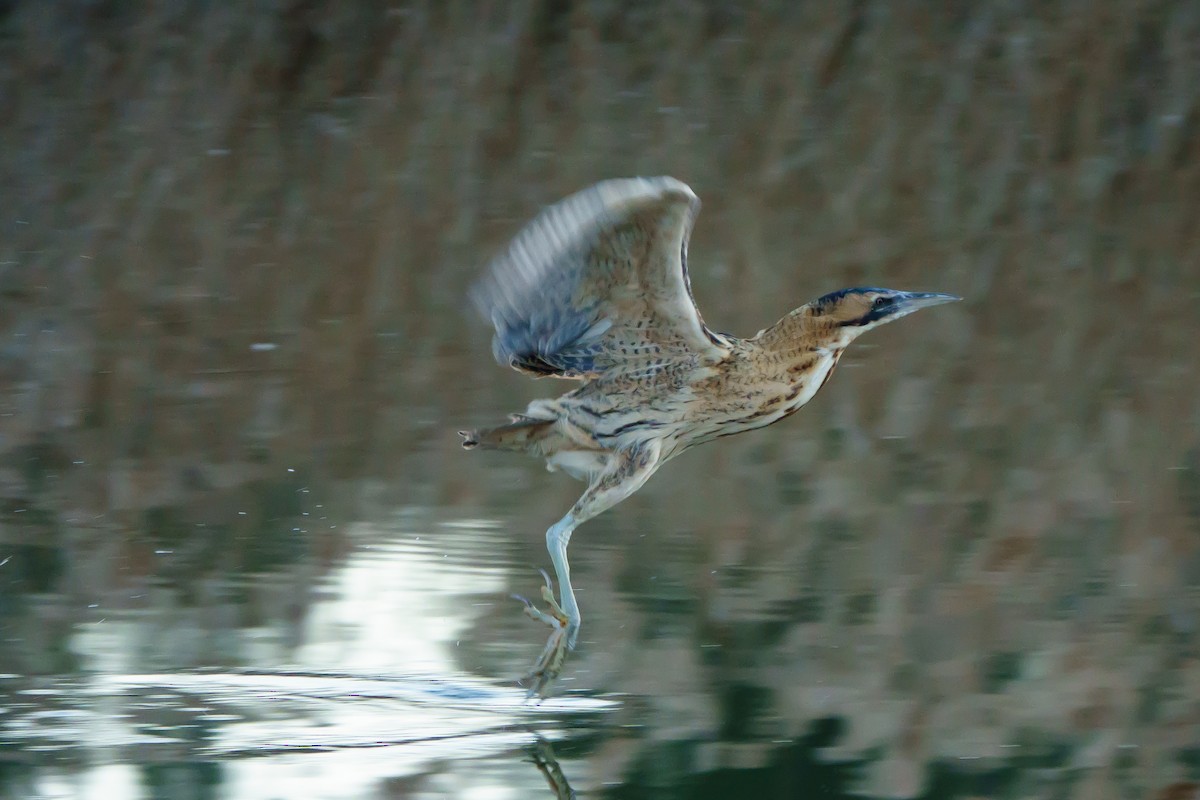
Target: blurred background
{"points": [[242, 554]]}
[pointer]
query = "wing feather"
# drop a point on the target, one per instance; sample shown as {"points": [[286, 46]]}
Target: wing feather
{"points": [[598, 283]]}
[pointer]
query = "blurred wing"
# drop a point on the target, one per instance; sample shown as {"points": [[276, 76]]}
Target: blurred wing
{"points": [[598, 283]]}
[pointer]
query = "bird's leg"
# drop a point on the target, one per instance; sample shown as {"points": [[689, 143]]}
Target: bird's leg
{"points": [[562, 619], [557, 538], [626, 471]]}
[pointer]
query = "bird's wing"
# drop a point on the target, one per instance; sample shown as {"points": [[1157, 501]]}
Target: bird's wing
{"points": [[598, 283]]}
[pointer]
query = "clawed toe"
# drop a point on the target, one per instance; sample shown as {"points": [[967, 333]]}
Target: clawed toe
{"points": [[533, 612], [555, 617], [561, 641]]}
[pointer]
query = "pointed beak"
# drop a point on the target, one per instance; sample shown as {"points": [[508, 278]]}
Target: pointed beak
{"points": [[912, 301]]}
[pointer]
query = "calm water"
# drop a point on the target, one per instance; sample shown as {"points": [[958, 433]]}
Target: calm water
{"points": [[382, 671], [373, 655]]}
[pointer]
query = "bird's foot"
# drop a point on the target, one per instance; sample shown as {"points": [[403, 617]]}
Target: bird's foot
{"points": [[562, 640]]}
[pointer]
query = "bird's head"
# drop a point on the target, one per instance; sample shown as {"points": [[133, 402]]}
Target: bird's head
{"points": [[856, 311]]}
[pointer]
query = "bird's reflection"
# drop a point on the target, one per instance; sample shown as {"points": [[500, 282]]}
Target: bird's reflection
{"points": [[542, 755]]}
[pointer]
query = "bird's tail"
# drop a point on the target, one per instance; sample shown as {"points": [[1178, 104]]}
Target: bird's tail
{"points": [[522, 434]]}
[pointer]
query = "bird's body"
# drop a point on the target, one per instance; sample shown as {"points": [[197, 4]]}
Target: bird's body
{"points": [[596, 289], [751, 387]]}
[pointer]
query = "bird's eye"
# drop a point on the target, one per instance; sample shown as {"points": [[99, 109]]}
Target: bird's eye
{"points": [[880, 302]]}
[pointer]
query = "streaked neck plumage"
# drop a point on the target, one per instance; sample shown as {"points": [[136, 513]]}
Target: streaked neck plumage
{"points": [[804, 348], [800, 331]]}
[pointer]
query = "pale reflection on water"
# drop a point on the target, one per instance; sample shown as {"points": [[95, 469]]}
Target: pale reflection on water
{"points": [[404, 599], [373, 698]]}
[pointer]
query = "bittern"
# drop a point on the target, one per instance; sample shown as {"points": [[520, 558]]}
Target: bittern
{"points": [[596, 289]]}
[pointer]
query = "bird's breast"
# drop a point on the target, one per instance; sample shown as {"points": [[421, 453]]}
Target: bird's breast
{"points": [[809, 375], [761, 398]]}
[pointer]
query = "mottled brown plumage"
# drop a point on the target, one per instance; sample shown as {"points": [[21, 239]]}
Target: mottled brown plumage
{"points": [[596, 289]]}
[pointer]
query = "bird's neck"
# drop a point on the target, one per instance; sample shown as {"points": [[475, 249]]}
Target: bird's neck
{"points": [[799, 334], [803, 351]]}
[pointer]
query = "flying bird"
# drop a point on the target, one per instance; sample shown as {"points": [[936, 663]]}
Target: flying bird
{"points": [[595, 289]]}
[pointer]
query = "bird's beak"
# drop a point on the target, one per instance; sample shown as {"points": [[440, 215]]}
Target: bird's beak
{"points": [[912, 301]]}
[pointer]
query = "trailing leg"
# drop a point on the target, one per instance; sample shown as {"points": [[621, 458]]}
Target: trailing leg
{"points": [[626, 471]]}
